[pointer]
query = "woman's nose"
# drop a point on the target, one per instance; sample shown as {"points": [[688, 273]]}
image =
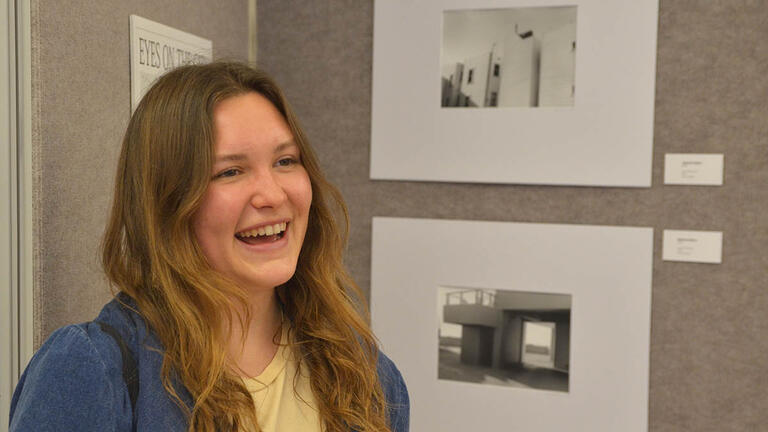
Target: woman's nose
{"points": [[267, 191]]}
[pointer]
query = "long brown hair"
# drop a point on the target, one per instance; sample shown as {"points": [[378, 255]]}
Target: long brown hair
{"points": [[151, 254]]}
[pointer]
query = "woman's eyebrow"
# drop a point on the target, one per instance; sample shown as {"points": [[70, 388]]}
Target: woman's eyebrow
{"points": [[241, 156], [285, 145], [231, 157]]}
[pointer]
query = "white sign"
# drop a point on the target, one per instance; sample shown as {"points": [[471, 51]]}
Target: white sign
{"points": [[157, 48], [693, 169], [693, 246]]}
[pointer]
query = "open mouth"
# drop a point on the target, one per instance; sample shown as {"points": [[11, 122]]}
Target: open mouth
{"points": [[263, 235]]}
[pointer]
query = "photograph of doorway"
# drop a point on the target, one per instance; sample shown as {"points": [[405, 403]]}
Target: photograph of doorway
{"points": [[503, 337]]}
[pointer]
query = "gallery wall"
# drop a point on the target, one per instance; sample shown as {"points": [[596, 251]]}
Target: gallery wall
{"points": [[708, 321], [81, 106]]}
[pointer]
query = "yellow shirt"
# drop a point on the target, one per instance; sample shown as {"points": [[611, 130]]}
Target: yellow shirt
{"points": [[278, 407]]}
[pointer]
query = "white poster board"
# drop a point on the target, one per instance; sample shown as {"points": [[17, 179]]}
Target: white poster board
{"points": [[602, 137], [157, 48], [603, 274]]}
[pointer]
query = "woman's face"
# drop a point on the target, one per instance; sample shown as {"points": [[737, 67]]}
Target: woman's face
{"points": [[253, 217]]}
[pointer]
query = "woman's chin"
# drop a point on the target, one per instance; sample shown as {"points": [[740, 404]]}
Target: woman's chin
{"points": [[268, 282]]}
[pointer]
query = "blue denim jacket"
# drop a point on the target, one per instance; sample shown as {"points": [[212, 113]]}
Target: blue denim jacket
{"points": [[74, 382]]}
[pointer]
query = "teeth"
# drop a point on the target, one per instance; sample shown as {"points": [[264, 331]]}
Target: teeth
{"points": [[265, 230]]}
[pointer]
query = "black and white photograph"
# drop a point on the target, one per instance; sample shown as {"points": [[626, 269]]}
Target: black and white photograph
{"points": [[509, 325], [558, 93], [513, 57], [505, 338]]}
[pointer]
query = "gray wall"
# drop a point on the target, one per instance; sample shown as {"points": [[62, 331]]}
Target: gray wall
{"points": [[477, 345], [512, 339], [709, 322], [563, 344], [81, 105]]}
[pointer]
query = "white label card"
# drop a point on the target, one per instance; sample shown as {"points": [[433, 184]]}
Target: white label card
{"points": [[156, 49], [693, 246], [693, 169]]}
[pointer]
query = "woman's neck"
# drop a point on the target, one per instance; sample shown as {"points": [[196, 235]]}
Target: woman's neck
{"points": [[254, 355]]}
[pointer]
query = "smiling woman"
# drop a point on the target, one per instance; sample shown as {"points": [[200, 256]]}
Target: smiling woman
{"points": [[231, 295], [258, 184]]}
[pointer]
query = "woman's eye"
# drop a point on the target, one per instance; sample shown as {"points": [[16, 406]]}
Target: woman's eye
{"points": [[287, 161], [227, 173]]}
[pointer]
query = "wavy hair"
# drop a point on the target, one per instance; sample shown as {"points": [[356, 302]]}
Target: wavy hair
{"points": [[151, 254]]}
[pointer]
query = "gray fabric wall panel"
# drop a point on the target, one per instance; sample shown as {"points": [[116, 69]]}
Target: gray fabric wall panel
{"points": [[709, 322], [81, 92]]}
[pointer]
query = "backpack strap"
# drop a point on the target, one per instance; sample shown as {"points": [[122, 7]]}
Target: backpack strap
{"points": [[130, 371]]}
